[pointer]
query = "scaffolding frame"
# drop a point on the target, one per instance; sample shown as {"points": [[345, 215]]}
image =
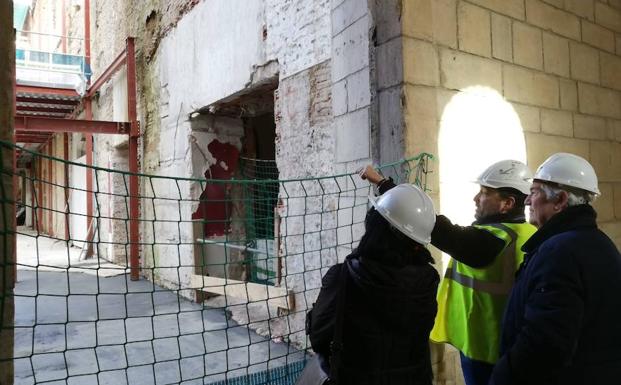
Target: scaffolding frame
{"points": [[59, 112]]}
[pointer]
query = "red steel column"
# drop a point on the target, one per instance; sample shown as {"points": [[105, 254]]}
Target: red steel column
{"points": [[134, 135], [52, 182], [66, 170], [39, 173], [88, 112], [50, 189]]}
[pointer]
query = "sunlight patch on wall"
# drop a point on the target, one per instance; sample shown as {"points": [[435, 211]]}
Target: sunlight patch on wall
{"points": [[478, 127]]}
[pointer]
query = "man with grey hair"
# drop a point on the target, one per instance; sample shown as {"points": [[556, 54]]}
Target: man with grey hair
{"points": [[561, 325]]}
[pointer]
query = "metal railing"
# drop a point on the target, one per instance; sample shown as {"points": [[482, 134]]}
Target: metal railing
{"points": [[44, 52]]}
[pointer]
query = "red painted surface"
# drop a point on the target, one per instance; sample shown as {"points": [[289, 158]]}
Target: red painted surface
{"points": [[215, 204], [50, 190], [25, 124], [59, 110], [66, 181], [46, 100], [67, 92], [88, 112], [134, 134], [40, 137], [107, 74], [88, 137]]}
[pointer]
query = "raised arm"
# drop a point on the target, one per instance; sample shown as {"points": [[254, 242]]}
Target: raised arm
{"points": [[470, 245]]}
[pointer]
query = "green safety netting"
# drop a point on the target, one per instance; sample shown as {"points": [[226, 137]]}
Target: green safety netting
{"points": [[228, 269]]}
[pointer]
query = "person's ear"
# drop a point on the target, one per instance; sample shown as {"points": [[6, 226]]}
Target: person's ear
{"points": [[562, 200], [507, 204]]}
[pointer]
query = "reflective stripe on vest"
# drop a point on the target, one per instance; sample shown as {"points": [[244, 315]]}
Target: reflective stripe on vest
{"points": [[497, 288], [471, 300]]}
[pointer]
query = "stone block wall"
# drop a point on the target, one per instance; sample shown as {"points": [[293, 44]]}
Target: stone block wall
{"points": [[558, 63], [351, 82]]}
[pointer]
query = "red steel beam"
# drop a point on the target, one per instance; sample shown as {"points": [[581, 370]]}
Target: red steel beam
{"points": [[111, 70], [69, 103], [58, 110], [134, 134], [66, 92], [24, 138], [41, 134], [35, 123]]}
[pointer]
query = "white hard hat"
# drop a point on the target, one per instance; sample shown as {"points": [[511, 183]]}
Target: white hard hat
{"points": [[408, 209], [507, 173], [569, 170]]}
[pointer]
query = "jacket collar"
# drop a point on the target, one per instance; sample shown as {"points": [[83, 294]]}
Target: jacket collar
{"points": [[501, 218], [572, 218]]}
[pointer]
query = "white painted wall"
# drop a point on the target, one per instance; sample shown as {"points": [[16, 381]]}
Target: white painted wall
{"points": [[298, 33], [211, 53], [78, 225]]}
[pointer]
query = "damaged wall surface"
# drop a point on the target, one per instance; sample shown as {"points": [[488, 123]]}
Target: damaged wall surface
{"points": [[311, 59]]}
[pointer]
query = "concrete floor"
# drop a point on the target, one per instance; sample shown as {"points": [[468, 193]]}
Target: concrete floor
{"points": [[84, 322]]}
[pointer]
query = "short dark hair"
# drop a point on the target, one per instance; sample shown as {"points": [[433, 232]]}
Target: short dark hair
{"points": [[518, 196]]}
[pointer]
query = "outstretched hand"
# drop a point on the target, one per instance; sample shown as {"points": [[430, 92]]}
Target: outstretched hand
{"points": [[371, 174]]}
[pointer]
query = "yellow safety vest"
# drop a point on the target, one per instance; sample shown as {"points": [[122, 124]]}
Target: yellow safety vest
{"points": [[471, 301]]}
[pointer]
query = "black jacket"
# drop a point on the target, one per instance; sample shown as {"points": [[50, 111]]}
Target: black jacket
{"points": [[389, 313], [562, 322]]}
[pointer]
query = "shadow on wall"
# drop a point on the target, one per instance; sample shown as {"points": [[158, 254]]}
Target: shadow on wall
{"points": [[477, 127]]}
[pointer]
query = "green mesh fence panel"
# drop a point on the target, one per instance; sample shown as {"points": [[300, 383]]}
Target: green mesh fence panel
{"points": [[228, 269], [261, 201]]}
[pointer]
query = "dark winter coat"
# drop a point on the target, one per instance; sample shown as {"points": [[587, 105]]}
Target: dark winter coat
{"points": [[389, 313], [562, 324]]}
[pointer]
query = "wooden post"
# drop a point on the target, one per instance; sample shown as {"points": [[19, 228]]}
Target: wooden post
{"points": [[7, 209]]}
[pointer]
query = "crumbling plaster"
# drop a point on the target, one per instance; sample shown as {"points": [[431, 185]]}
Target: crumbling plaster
{"points": [[292, 34], [222, 48]]}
